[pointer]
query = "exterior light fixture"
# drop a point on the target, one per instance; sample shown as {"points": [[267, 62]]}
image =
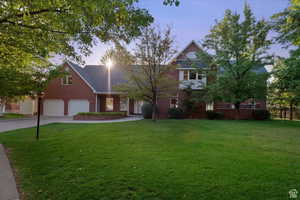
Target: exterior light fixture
{"points": [[109, 63]]}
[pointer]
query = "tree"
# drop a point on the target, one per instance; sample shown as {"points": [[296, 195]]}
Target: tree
{"points": [[287, 24], [36, 29], [16, 83], [237, 50], [151, 79], [119, 55], [284, 91]]}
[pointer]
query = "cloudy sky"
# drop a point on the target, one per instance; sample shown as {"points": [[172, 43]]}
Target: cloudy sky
{"points": [[193, 19]]}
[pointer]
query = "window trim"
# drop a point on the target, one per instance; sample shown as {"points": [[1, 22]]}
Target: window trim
{"points": [[170, 102], [67, 79], [187, 74], [109, 110]]}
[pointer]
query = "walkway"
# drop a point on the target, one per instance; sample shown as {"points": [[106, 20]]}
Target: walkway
{"points": [[8, 189]]}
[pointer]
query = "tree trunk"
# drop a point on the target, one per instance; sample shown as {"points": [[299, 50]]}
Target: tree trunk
{"points": [[284, 114], [281, 113], [291, 111], [237, 108], [154, 105]]}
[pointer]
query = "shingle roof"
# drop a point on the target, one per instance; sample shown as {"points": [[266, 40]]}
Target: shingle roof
{"points": [[97, 76]]}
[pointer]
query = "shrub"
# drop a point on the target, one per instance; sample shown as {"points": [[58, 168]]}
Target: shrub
{"points": [[176, 113], [214, 115], [102, 113], [261, 114], [147, 110]]}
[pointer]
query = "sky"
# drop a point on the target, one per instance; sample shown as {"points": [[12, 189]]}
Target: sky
{"points": [[193, 19]]}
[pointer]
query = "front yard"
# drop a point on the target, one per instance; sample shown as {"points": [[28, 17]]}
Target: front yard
{"points": [[187, 159]]}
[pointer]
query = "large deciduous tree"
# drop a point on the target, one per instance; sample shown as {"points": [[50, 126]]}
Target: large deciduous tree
{"points": [[287, 24], [150, 79], [284, 90], [237, 49], [15, 83], [33, 29]]}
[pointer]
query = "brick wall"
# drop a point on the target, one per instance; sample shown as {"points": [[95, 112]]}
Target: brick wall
{"points": [[77, 90]]}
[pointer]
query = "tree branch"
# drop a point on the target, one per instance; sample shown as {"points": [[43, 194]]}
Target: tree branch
{"points": [[55, 10]]}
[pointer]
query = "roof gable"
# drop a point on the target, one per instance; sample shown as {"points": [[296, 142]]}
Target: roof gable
{"points": [[191, 47]]}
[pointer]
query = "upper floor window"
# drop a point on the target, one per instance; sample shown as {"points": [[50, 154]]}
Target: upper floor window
{"points": [[192, 75], [191, 55], [185, 75], [67, 80]]}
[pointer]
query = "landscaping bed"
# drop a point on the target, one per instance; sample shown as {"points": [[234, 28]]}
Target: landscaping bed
{"points": [[99, 115]]}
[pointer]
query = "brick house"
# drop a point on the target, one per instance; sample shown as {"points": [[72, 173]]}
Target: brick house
{"points": [[86, 89]]}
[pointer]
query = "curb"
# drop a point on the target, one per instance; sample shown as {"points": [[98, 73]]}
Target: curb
{"points": [[8, 187]]}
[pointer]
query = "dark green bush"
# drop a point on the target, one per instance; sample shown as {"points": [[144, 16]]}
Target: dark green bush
{"points": [[261, 114], [147, 110], [214, 115], [176, 113]]}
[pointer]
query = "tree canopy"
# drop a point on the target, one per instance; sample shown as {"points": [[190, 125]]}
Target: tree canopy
{"points": [[284, 90], [287, 24], [30, 30], [237, 49]]}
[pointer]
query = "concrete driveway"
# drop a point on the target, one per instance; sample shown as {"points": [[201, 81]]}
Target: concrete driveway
{"points": [[12, 124]]}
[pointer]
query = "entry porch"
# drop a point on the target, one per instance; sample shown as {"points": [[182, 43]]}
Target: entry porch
{"points": [[117, 103]]}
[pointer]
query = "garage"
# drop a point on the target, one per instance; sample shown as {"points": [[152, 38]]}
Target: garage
{"points": [[75, 106], [53, 107]]}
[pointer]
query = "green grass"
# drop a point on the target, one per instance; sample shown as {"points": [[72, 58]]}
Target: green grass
{"points": [[11, 116], [103, 113], [170, 159]]}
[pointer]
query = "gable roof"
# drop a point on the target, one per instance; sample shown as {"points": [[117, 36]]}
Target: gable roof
{"points": [[181, 53], [96, 76]]}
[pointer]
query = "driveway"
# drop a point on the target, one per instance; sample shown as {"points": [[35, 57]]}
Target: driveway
{"points": [[12, 124]]}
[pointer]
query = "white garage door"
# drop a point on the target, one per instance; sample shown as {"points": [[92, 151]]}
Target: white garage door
{"points": [[53, 107], [76, 106], [27, 106]]}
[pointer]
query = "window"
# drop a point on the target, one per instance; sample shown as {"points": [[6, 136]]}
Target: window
{"points": [[191, 55], [199, 76], [123, 104], [193, 75], [185, 75], [67, 80], [173, 102], [109, 106], [210, 106]]}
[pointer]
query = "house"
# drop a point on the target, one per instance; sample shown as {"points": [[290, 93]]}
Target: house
{"points": [[88, 89]]}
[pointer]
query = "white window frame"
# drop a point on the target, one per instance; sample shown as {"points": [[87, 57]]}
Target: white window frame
{"points": [[67, 80], [188, 75], [106, 107], [170, 102], [123, 104]]}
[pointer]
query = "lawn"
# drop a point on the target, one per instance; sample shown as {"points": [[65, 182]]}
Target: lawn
{"points": [[12, 116], [170, 159]]}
